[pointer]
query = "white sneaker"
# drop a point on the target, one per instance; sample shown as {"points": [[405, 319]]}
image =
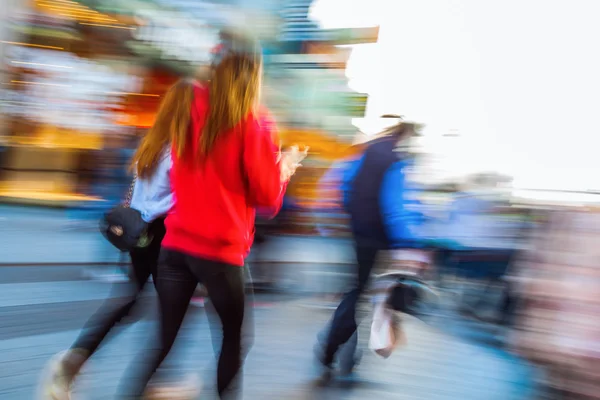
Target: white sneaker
{"points": [[56, 382], [189, 389]]}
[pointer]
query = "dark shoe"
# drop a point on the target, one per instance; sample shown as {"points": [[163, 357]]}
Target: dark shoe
{"points": [[325, 375], [324, 371], [349, 356]]}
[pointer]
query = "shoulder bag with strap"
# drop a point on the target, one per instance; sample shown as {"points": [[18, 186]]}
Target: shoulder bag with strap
{"points": [[124, 226]]}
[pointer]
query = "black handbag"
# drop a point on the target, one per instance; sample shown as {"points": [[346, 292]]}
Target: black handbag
{"points": [[124, 226]]}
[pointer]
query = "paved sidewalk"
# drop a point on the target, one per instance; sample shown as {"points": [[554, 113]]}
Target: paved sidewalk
{"points": [[52, 237], [434, 365], [23, 294], [41, 316], [37, 235]]}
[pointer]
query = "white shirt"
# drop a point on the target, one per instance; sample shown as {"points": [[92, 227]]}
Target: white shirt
{"points": [[152, 197]]}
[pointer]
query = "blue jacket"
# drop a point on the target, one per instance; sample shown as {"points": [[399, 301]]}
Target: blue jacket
{"points": [[382, 205]]}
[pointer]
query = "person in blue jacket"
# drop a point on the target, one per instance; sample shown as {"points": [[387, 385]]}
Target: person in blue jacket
{"points": [[383, 214]]}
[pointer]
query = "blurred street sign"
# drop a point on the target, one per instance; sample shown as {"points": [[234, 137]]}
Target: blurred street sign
{"points": [[355, 104], [309, 61], [347, 36]]}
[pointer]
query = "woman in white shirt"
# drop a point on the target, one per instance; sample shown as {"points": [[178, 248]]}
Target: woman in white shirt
{"points": [[153, 198]]}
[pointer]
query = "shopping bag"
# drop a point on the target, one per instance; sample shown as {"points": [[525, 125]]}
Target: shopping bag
{"points": [[386, 331]]}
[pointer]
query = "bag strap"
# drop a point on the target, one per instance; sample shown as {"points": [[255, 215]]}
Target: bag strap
{"points": [[130, 192]]}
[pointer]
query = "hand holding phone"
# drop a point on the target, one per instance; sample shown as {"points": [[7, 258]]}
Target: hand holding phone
{"points": [[291, 159]]}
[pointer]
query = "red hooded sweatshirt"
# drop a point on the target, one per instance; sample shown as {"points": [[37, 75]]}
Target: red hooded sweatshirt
{"points": [[215, 202]]}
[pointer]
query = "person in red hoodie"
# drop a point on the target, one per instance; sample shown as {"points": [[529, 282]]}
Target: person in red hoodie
{"points": [[225, 165]]}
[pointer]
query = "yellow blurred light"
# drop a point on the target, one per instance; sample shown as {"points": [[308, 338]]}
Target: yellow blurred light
{"points": [[87, 14], [41, 46], [73, 11], [93, 19], [78, 12], [63, 8], [39, 83], [40, 64], [133, 94], [107, 26], [84, 14], [67, 2], [68, 5]]}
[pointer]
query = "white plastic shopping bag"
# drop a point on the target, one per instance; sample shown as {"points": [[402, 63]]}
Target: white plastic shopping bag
{"points": [[386, 332]]}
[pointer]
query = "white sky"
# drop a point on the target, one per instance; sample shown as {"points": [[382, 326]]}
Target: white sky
{"points": [[518, 79]]}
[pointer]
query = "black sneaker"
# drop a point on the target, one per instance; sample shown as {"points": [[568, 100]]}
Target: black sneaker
{"points": [[349, 356], [324, 371]]}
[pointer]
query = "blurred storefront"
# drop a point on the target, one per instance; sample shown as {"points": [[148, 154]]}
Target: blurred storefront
{"points": [[48, 115], [77, 91], [84, 80]]}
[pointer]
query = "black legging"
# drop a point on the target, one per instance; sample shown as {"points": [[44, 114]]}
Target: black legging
{"points": [[123, 296], [179, 274], [344, 323]]}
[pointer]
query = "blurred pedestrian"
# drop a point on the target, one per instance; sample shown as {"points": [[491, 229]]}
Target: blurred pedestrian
{"points": [[225, 165], [557, 280], [151, 196], [377, 197]]}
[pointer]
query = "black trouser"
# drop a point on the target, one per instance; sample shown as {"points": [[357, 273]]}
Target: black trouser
{"points": [[344, 324], [123, 297], [508, 306], [216, 327], [179, 274]]}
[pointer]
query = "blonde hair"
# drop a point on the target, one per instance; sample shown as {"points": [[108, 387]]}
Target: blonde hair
{"points": [[234, 88], [234, 93], [170, 126]]}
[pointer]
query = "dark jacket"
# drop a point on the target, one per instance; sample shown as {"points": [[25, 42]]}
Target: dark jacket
{"points": [[383, 209]]}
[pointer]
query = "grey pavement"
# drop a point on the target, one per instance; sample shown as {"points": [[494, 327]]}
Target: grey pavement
{"points": [[43, 308], [57, 237], [38, 235], [30, 274], [21, 294], [437, 363], [46, 235]]}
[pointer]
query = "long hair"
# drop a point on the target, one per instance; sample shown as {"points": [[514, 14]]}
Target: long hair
{"points": [[171, 126], [234, 87]]}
